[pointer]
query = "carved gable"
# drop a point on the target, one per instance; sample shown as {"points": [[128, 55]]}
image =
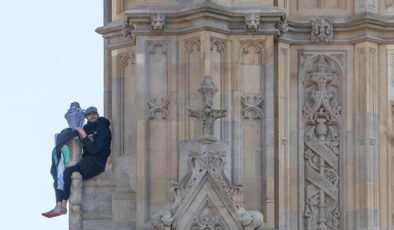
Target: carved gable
{"points": [[207, 206], [205, 198]]}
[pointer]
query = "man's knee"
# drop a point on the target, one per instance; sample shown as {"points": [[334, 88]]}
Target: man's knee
{"points": [[69, 171]]}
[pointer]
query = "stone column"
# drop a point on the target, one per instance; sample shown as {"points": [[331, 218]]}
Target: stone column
{"points": [[366, 118], [282, 140], [269, 138], [75, 217], [283, 4], [107, 11], [386, 75]]}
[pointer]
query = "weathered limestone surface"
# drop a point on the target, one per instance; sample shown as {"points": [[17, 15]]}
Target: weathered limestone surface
{"points": [[307, 87]]}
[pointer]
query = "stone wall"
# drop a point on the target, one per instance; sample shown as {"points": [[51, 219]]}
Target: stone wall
{"points": [[307, 86]]}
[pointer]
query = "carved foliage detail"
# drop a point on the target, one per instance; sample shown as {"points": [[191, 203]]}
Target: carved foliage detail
{"points": [[322, 30], [158, 108], [252, 107], [207, 220], [250, 220], [218, 45], [322, 120], [127, 59]]}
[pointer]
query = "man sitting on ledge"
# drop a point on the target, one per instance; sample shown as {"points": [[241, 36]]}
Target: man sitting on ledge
{"points": [[96, 141]]}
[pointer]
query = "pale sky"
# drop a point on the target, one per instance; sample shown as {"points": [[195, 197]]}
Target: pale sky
{"points": [[50, 55]]}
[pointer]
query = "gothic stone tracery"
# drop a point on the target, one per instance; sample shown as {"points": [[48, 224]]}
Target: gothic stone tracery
{"points": [[322, 120]]}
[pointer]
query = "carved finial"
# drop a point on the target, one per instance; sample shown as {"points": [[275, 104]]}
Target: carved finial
{"points": [[252, 22], [158, 22], [207, 114], [208, 90], [322, 30]]}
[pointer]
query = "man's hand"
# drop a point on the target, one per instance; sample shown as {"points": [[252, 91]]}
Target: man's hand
{"points": [[82, 133]]}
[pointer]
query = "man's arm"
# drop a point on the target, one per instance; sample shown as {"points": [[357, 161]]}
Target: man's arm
{"points": [[102, 138]]}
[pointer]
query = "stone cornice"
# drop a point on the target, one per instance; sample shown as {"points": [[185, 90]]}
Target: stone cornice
{"points": [[207, 16], [213, 17], [347, 30]]}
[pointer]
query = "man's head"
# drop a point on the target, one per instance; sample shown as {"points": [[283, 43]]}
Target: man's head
{"points": [[91, 114]]}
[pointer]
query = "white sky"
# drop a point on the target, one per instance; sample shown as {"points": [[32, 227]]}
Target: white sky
{"points": [[50, 55]]}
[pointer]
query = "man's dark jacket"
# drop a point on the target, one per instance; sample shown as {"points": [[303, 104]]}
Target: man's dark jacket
{"points": [[96, 147]]}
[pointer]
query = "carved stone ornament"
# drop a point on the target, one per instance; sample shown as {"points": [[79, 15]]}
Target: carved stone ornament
{"points": [[155, 108], [158, 22], [252, 22], [322, 30], [207, 220], [250, 219], [251, 107], [207, 114], [282, 26], [205, 198], [127, 31], [322, 120]]}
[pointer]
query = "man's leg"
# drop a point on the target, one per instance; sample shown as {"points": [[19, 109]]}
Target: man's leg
{"points": [[57, 210], [67, 185]]}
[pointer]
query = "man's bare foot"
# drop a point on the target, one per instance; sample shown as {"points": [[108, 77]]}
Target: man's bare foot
{"points": [[57, 211]]}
